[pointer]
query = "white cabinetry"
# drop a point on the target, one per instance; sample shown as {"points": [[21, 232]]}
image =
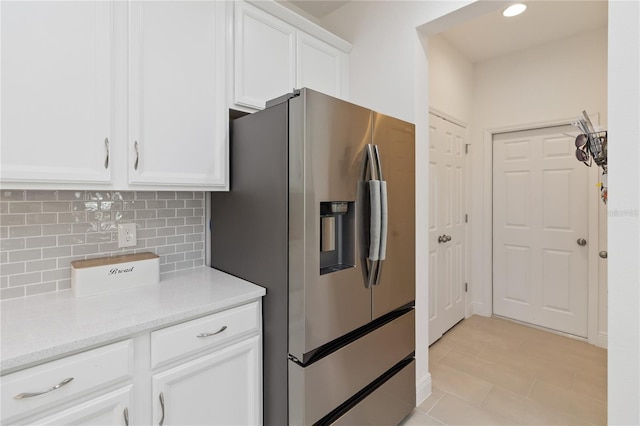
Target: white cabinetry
{"points": [[177, 111], [320, 66], [110, 409], [206, 371], [56, 92], [265, 52], [277, 51], [220, 388], [215, 370], [93, 387], [114, 95]]}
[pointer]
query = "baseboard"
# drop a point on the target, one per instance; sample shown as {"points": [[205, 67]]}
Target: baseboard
{"points": [[601, 340], [482, 309], [423, 389]]}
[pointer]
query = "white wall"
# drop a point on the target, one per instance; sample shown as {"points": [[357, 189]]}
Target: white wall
{"points": [[545, 84], [450, 80], [624, 213], [375, 63], [382, 62]]}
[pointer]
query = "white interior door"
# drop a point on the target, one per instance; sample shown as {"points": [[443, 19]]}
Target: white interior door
{"points": [[540, 217], [446, 225]]}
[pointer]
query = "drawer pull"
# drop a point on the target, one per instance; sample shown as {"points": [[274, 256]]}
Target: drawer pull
{"points": [[201, 335], [32, 394]]}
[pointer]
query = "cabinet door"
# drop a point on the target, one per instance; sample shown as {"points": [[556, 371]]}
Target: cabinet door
{"points": [[56, 92], [221, 388], [321, 67], [110, 409], [177, 133], [264, 56]]}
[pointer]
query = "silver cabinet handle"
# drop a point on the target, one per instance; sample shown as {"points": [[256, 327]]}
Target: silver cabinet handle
{"points": [[603, 254], [201, 335], [137, 148], [32, 394], [125, 413], [161, 406], [106, 147], [581, 242]]}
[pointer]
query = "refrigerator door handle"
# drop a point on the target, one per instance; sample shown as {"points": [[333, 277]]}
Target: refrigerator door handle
{"points": [[375, 221], [384, 218], [370, 164], [370, 185]]}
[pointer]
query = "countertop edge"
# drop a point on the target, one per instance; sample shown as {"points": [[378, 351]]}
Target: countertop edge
{"points": [[249, 293]]}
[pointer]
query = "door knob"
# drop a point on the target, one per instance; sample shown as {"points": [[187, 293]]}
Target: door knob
{"points": [[582, 242], [603, 254], [444, 238]]}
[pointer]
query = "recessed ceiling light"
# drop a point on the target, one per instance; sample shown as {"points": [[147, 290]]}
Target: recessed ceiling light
{"points": [[514, 9]]}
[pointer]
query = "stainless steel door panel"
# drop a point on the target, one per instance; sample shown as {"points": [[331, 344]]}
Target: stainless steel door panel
{"points": [[395, 140], [316, 390], [388, 404], [326, 142]]}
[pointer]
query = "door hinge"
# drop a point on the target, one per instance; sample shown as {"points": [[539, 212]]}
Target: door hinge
{"points": [[466, 148], [466, 218], [466, 287]]}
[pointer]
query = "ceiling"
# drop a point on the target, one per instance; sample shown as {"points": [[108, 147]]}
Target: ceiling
{"points": [[492, 35], [318, 8]]}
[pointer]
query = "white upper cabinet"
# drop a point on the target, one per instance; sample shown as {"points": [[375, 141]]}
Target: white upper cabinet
{"points": [[265, 56], [135, 95], [277, 51], [117, 95], [320, 66], [56, 92], [177, 118]]}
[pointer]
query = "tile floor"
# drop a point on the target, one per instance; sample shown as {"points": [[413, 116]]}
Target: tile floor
{"points": [[490, 371]]}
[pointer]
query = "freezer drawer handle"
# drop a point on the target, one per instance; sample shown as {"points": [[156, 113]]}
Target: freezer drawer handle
{"points": [[202, 335], [51, 389]]}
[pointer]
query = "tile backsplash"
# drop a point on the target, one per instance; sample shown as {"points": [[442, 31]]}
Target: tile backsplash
{"points": [[42, 232]]}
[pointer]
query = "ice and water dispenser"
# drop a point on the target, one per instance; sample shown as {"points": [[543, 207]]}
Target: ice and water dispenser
{"points": [[337, 236]]}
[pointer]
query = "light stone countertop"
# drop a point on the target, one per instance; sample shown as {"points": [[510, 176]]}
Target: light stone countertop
{"points": [[41, 328]]}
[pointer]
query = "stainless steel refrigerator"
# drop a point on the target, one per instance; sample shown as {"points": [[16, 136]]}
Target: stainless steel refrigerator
{"points": [[321, 212]]}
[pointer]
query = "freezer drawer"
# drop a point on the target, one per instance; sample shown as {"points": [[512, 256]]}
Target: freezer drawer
{"points": [[387, 404], [319, 388]]}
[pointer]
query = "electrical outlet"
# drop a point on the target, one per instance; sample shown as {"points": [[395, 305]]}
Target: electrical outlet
{"points": [[127, 235]]}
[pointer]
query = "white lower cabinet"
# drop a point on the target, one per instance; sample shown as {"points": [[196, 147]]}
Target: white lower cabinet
{"points": [[205, 371], [92, 387], [110, 409], [221, 388]]}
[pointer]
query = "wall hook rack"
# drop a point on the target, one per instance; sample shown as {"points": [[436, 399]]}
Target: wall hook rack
{"points": [[591, 146]]}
